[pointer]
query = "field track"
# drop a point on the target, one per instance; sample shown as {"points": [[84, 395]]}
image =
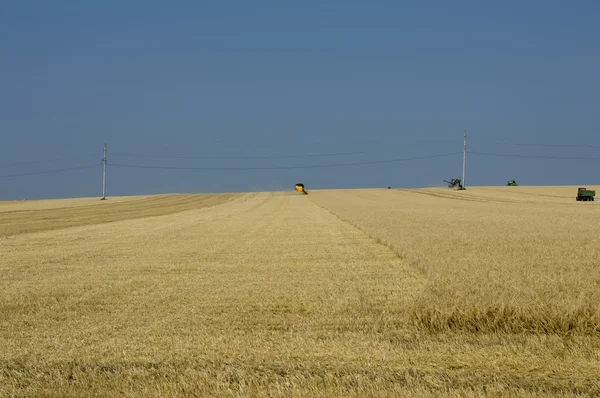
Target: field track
{"points": [[282, 294]]}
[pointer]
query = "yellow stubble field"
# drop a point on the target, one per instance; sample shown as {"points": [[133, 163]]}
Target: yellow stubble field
{"points": [[485, 292]]}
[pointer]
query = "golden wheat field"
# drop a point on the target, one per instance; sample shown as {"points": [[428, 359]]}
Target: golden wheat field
{"points": [[493, 291]]}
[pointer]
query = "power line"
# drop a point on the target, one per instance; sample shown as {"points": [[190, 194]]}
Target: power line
{"points": [[47, 160], [558, 145], [283, 167], [533, 156], [286, 167], [314, 155], [516, 144], [50, 171]]}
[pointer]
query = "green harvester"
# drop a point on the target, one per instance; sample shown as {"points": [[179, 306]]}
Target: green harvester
{"points": [[585, 195], [511, 183]]}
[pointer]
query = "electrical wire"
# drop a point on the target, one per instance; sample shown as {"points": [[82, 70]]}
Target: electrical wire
{"points": [[314, 155], [532, 156], [516, 144], [283, 167], [48, 160], [137, 166], [558, 145], [50, 171]]}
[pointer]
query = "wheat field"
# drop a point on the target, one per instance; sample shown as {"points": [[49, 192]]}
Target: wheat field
{"points": [[429, 292]]}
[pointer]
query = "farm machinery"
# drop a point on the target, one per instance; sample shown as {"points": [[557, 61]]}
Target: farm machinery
{"points": [[512, 183], [585, 195], [455, 183], [300, 188]]}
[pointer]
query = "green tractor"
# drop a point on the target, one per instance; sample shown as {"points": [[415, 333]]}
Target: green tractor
{"points": [[585, 195], [512, 183]]}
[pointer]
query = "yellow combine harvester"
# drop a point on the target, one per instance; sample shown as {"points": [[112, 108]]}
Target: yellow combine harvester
{"points": [[300, 188]]}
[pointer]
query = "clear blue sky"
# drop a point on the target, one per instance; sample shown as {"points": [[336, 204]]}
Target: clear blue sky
{"points": [[270, 78]]}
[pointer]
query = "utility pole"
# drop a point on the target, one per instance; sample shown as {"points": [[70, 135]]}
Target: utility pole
{"points": [[464, 182], [104, 175]]}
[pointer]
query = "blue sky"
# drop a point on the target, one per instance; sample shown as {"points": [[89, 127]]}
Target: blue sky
{"points": [[387, 79]]}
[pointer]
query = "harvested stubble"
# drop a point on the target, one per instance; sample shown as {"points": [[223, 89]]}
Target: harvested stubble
{"points": [[23, 217], [264, 295]]}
